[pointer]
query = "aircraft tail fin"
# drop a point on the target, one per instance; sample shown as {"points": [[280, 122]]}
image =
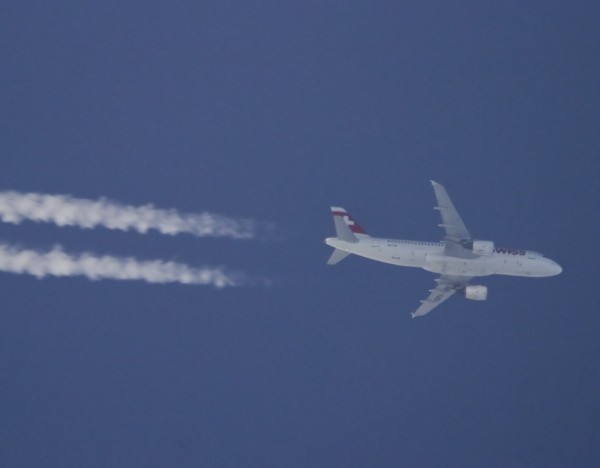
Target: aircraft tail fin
{"points": [[337, 256], [346, 227]]}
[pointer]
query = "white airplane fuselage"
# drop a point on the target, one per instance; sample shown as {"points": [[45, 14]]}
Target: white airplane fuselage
{"points": [[458, 258], [430, 256]]}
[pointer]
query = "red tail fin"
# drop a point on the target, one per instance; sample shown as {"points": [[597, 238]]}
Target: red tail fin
{"points": [[348, 219]]}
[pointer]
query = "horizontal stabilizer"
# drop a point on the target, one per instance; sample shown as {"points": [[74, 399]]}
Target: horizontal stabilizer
{"points": [[337, 256]]}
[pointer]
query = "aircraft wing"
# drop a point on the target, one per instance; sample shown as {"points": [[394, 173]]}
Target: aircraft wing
{"points": [[455, 228], [456, 231], [447, 285]]}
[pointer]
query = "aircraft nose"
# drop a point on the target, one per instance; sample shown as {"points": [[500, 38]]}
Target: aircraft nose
{"points": [[555, 268]]}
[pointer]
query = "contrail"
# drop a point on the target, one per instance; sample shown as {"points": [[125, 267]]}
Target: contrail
{"points": [[57, 262], [64, 210]]}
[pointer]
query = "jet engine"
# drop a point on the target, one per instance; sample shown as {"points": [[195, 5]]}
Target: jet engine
{"points": [[476, 292], [481, 247]]}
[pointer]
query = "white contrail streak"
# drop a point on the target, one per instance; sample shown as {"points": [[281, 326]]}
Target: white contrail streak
{"points": [[57, 262], [64, 210]]}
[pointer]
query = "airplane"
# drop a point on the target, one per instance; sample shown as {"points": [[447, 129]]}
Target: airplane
{"points": [[458, 258]]}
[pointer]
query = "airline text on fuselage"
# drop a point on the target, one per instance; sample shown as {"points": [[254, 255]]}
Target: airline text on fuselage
{"points": [[503, 250]]}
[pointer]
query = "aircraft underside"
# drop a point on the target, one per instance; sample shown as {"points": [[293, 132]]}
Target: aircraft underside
{"points": [[457, 259]]}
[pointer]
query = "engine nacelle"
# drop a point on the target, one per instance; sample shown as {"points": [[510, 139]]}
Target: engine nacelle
{"points": [[481, 247], [476, 292]]}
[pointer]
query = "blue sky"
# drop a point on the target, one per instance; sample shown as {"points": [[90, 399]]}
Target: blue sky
{"points": [[276, 111]]}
